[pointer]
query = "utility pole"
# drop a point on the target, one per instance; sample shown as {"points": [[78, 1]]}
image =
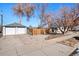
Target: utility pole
{"points": [[1, 15], [1, 22]]}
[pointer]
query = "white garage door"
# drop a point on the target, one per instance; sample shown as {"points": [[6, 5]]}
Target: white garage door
{"points": [[14, 31], [10, 31], [20, 31]]}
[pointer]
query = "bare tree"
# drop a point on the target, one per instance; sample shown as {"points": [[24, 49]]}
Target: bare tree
{"points": [[49, 19], [67, 18], [18, 9], [77, 14], [29, 10], [62, 22], [42, 10], [72, 16]]}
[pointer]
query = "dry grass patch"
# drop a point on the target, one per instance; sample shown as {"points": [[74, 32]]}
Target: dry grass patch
{"points": [[70, 42]]}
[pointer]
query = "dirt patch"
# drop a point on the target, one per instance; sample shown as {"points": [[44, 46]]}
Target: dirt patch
{"points": [[70, 42], [53, 36]]}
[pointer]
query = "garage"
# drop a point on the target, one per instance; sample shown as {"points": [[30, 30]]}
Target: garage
{"points": [[14, 29]]}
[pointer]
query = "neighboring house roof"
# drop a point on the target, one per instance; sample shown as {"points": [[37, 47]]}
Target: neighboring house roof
{"points": [[54, 25], [76, 20], [76, 27], [14, 25]]}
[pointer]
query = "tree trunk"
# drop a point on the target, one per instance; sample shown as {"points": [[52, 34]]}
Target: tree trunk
{"points": [[67, 29], [71, 28], [20, 19], [61, 30]]}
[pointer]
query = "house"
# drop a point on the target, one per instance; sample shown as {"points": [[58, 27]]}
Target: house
{"points": [[76, 28], [55, 28], [14, 29], [76, 21]]}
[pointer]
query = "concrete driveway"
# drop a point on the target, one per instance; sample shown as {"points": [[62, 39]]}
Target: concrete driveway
{"points": [[26, 45]]}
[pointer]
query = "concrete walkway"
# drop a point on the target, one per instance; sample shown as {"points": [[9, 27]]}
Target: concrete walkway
{"points": [[25, 45]]}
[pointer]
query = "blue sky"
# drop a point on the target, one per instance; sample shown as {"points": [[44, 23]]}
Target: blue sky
{"points": [[10, 17]]}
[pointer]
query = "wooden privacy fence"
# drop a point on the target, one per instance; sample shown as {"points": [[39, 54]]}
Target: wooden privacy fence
{"points": [[37, 31]]}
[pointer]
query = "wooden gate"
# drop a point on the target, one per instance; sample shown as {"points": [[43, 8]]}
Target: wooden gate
{"points": [[37, 31]]}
